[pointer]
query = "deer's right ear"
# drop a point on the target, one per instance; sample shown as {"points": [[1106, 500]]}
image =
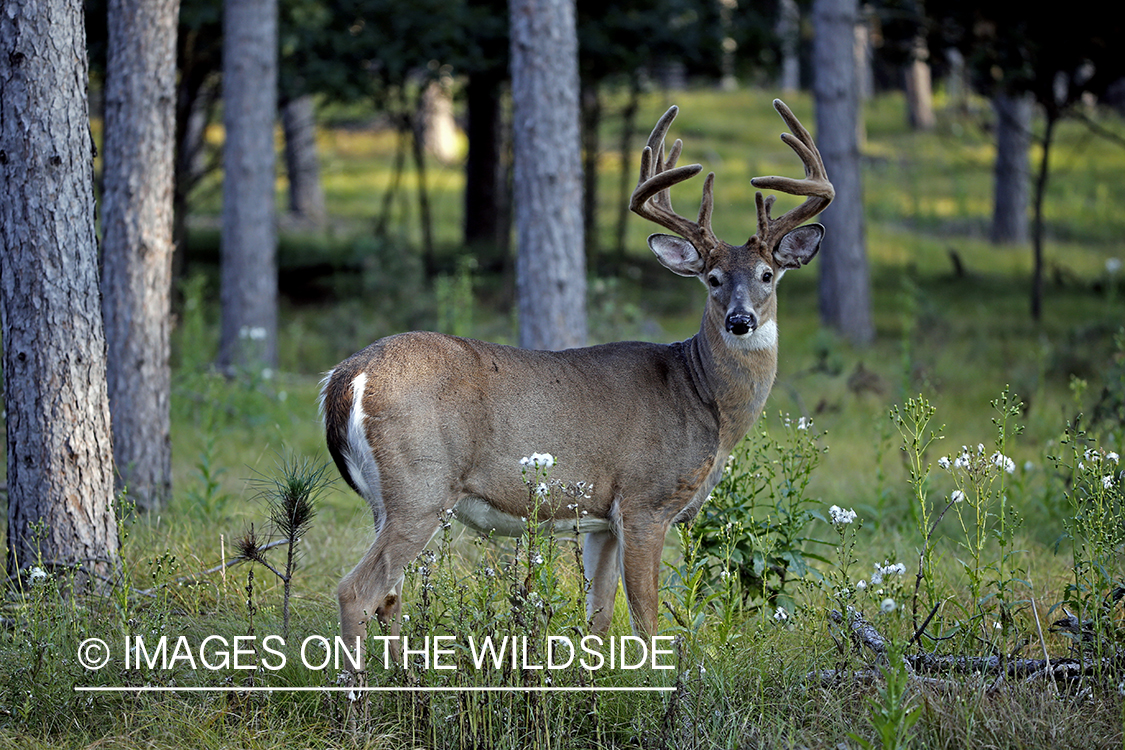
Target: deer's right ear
{"points": [[676, 254]]}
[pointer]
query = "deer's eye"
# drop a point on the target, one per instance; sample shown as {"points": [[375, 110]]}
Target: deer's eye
{"points": [[714, 281], [767, 277]]}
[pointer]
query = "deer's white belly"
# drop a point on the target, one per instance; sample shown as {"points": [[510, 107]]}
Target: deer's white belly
{"points": [[479, 514]]}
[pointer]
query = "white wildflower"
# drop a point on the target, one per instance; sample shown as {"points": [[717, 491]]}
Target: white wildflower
{"points": [[841, 517], [1112, 266], [542, 490], [538, 460], [957, 496], [804, 423], [861, 585], [962, 461], [887, 606], [37, 576], [944, 462], [886, 569], [1111, 456], [1107, 481], [1004, 463], [781, 615]]}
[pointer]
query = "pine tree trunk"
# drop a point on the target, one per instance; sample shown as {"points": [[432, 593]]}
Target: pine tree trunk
{"points": [[249, 234], [137, 252], [60, 454], [485, 195], [1012, 185], [844, 285], [550, 265], [919, 89], [788, 30], [591, 145], [302, 162]]}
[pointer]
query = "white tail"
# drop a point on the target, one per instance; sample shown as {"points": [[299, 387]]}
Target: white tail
{"points": [[421, 424]]}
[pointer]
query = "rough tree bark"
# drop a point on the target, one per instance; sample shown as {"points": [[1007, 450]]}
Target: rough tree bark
{"points": [[249, 234], [550, 266], [60, 455], [844, 285], [140, 131], [1012, 186], [302, 161]]}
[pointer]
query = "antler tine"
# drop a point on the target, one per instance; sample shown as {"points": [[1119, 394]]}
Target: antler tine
{"points": [[652, 198], [815, 185]]}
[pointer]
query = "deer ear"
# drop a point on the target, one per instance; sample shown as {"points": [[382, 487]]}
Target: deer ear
{"points": [[676, 254], [798, 247]]}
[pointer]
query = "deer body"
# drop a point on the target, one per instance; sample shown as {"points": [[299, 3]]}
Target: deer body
{"points": [[423, 425]]}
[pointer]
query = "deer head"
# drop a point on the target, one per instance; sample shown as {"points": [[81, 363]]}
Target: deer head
{"points": [[742, 278]]}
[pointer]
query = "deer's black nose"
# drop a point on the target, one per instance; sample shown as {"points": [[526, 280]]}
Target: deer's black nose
{"points": [[742, 323]]}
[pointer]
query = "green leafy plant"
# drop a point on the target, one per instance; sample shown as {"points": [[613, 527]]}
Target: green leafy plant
{"points": [[764, 494]]}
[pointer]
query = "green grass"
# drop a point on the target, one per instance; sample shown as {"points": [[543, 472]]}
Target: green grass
{"points": [[741, 674]]}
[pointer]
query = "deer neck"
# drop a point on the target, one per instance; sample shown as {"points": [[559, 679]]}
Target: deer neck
{"points": [[736, 376]]}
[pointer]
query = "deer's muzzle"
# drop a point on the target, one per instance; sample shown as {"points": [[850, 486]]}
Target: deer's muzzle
{"points": [[741, 323]]}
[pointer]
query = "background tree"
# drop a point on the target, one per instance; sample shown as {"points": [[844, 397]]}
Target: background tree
{"points": [[137, 249], [60, 457], [844, 285], [1057, 58], [249, 232], [487, 222], [547, 180], [301, 25], [1012, 183]]}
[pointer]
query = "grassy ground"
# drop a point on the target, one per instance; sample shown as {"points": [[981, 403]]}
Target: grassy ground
{"points": [[959, 340]]}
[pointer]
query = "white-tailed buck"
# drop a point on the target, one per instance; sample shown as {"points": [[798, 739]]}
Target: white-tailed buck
{"points": [[423, 423]]}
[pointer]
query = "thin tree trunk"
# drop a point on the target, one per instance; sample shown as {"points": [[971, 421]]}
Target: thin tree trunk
{"points": [[1037, 234], [60, 454], [249, 234], [550, 266], [137, 252], [844, 285], [1013, 167], [919, 89], [591, 122], [436, 122], [391, 192], [788, 31], [302, 162], [628, 176], [485, 197], [418, 150]]}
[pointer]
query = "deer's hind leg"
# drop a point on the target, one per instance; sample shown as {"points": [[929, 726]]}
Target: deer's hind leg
{"points": [[373, 589]]}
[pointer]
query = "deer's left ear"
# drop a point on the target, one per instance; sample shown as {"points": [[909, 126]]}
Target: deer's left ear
{"points": [[798, 247]]}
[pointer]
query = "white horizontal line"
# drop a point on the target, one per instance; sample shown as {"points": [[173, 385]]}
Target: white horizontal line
{"points": [[374, 689]]}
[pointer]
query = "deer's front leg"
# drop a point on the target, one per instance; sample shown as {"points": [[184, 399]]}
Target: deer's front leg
{"points": [[601, 562], [642, 541]]}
